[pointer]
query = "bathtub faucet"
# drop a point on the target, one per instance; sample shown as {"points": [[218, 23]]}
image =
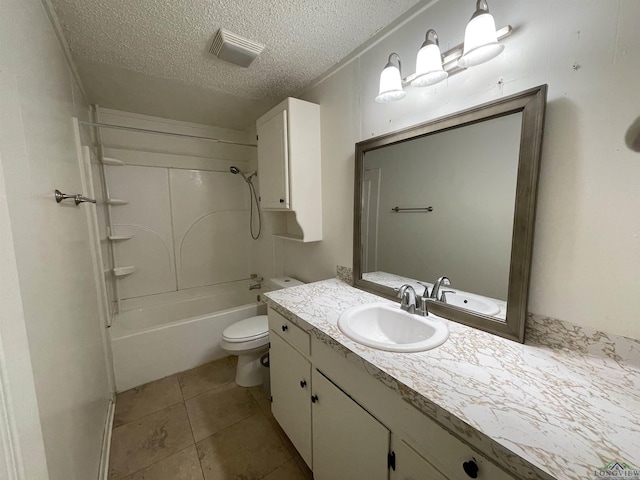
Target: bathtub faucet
{"points": [[258, 282]]}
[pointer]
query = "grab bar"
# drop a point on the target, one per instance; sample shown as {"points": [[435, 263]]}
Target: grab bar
{"points": [[78, 198], [416, 209]]}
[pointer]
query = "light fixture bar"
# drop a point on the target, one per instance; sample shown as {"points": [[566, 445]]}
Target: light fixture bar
{"points": [[451, 56]]}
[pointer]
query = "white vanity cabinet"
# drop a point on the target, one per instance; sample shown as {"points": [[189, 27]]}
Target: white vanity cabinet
{"points": [[291, 382], [348, 443], [346, 424], [289, 171], [407, 464]]}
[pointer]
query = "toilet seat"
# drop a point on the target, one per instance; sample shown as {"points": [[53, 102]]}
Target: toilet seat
{"points": [[252, 328], [248, 334]]}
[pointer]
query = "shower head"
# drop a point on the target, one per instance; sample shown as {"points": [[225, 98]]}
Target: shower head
{"points": [[247, 178], [236, 170]]}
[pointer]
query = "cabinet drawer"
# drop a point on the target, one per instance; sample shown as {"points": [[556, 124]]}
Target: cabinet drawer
{"points": [[291, 333], [447, 453]]}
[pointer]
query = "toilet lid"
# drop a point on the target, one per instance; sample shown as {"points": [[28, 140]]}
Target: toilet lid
{"points": [[248, 329]]}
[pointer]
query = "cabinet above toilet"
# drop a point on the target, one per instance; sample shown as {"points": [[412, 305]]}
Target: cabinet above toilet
{"points": [[290, 170]]}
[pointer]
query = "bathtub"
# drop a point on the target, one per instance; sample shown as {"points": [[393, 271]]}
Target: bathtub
{"points": [[165, 334]]}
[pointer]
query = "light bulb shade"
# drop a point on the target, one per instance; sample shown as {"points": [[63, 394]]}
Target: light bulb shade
{"points": [[429, 69], [480, 41], [390, 85]]}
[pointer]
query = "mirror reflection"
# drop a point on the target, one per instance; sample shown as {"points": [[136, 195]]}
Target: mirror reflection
{"points": [[443, 204]]}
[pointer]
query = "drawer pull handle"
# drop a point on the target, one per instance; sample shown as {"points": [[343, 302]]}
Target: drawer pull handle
{"points": [[303, 383], [285, 328], [314, 398], [471, 468]]}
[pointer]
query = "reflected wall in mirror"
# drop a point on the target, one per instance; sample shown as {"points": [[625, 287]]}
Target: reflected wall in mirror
{"points": [[454, 197]]}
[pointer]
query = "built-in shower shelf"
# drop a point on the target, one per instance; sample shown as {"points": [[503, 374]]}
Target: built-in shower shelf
{"points": [[292, 237], [112, 161], [116, 238], [123, 271], [116, 201]]}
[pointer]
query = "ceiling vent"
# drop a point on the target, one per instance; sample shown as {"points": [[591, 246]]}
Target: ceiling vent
{"points": [[232, 48]]}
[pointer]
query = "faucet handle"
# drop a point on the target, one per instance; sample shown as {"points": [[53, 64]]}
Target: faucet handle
{"points": [[426, 289], [423, 308], [443, 295]]}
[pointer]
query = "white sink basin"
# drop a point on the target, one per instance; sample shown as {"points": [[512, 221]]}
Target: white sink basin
{"points": [[386, 327], [472, 302]]}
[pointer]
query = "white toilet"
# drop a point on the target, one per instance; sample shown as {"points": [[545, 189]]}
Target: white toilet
{"points": [[249, 340]]}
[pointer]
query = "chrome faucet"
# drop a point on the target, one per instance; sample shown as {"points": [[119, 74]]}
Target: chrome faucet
{"points": [[441, 282], [410, 302], [255, 282], [407, 296]]}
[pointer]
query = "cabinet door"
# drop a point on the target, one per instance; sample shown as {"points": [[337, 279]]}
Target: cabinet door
{"points": [[291, 394], [411, 466], [348, 443], [273, 163]]}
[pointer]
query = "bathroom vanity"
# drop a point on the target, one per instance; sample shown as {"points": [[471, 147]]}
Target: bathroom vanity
{"points": [[478, 406]]}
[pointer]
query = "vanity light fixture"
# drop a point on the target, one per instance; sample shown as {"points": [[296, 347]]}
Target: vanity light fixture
{"points": [[391, 82], [429, 69], [480, 38], [481, 44]]}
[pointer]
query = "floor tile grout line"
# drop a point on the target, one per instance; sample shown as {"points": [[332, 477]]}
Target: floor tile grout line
{"points": [[146, 415], [167, 456], [179, 374], [208, 391], [229, 426], [195, 443], [163, 459], [279, 466]]}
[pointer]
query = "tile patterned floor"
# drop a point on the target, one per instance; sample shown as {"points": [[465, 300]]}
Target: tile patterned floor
{"points": [[200, 425]]}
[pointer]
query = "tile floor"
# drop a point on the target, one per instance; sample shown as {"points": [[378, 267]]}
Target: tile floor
{"points": [[200, 425]]}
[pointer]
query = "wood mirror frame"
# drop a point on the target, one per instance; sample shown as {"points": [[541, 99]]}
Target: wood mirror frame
{"points": [[532, 104]]}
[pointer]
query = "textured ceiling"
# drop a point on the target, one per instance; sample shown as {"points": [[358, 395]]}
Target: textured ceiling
{"points": [[169, 39]]}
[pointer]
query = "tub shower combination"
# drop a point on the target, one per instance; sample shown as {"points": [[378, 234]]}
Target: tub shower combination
{"points": [[179, 242], [175, 332]]}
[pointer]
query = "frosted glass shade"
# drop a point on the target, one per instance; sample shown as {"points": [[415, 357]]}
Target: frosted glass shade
{"points": [[480, 41], [390, 85], [429, 67]]}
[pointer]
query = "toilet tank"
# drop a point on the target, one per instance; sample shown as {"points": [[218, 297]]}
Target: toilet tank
{"points": [[278, 283]]}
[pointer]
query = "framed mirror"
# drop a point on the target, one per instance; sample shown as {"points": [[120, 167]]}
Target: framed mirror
{"points": [[454, 197]]}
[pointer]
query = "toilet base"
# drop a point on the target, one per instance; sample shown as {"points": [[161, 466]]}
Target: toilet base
{"points": [[249, 369]]}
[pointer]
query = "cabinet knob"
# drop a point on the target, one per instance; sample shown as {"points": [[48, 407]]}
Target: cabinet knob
{"points": [[303, 383], [471, 468], [314, 398], [282, 200], [285, 328]]}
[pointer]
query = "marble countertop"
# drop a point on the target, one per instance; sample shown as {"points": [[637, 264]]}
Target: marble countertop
{"points": [[566, 403]]}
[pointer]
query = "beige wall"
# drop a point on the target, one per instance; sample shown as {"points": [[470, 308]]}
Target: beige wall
{"points": [[339, 106], [51, 243], [587, 239]]}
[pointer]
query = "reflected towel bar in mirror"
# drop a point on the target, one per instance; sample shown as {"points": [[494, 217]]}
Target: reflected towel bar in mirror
{"points": [[414, 210]]}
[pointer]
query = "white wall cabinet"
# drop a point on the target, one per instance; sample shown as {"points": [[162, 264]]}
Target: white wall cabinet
{"points": [[289, 169], [273, 162], [355, 421]]}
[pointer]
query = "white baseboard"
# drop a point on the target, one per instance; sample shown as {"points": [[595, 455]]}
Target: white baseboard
{"points": [[103, 474]]}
